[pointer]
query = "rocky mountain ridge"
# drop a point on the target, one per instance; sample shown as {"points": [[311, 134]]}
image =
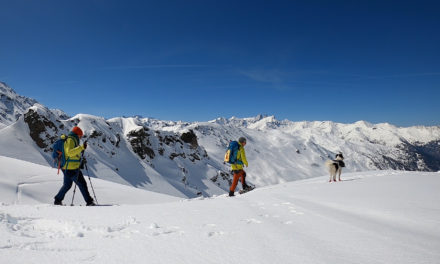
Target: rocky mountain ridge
{"points": [[186, 159], [12, 105]]}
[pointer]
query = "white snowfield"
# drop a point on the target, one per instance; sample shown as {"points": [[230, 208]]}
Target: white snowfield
{"points": [[369, 217]]}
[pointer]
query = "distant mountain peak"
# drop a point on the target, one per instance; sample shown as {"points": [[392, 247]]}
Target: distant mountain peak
{"points": [[12, 105]]}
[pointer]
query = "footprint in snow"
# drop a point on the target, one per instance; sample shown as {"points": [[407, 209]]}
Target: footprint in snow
{"points": [[215, 233], [294, 211], [165, 231], [252, 221], [264, 215], [154, 226]]}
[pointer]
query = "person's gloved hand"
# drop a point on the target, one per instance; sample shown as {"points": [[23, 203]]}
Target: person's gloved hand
{"points": [[85, 145]]}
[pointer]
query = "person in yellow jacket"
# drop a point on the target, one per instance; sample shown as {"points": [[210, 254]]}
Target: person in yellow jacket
{"points": [[71, 169], [237, 168]]}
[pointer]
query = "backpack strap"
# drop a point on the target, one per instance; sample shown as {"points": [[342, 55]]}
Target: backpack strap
{"points": [[75, 140], [237, 161], [59, 161]]}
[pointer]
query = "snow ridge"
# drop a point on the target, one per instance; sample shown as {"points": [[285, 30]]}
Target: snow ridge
{"points": [[185, 159]]}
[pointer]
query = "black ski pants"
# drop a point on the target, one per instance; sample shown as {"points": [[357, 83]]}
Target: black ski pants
{"points": [[76, 176]]}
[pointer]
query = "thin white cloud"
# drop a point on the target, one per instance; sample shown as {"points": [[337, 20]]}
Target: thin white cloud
{"points": [[156, 66], [266, 76], [273, 79], [403, 75]]}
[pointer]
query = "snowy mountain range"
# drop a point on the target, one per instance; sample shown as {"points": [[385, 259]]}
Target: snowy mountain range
{"points": [[186, 159]]}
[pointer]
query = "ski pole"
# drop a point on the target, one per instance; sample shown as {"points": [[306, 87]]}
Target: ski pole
{"points": [[91, 185], [73, 196]]}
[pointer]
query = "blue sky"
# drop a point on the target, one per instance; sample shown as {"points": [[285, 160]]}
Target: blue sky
{"points": [[342, 61]]}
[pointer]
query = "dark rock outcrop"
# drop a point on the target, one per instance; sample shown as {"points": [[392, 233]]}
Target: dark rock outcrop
{"points": [[38, 126], [140, 142]]}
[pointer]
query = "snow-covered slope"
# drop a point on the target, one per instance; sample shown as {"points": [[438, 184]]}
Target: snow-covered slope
{"points": [[186, 159], [24, 182], [370, 217], [282, 151], [122, 150]]}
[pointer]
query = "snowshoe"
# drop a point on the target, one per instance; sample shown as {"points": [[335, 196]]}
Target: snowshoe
{"points": [[248, 189]]}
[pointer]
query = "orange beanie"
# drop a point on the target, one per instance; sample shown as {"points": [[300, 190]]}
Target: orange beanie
{"points": [[77, 131]]}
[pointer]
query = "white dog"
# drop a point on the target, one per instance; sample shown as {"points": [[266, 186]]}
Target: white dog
{"points": [[335, 166]]}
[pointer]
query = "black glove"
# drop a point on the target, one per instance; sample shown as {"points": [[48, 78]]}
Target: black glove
{"points": [[85, 145], [83, 163]]}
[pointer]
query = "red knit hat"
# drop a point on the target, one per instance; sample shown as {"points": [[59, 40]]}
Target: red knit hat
{"points": [[77, 131]]}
